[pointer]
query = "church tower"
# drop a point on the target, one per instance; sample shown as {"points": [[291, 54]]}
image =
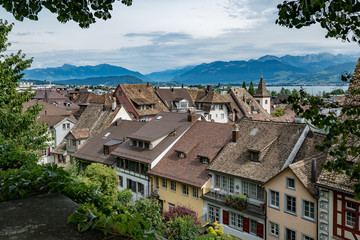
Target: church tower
{"points": [[262, 96]]}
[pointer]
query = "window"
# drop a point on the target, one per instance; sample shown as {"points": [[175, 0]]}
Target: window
{"points": [[140, 188], [231, 185], [73, 142], [195, 192], [236, 221], [164, 183], [222, 116], [304, 237], [217, 180], [274, 229], [290, 234], [224, 182], [120, 93], [157, 183], [254, 156], [212, 107], [274, 199], [209, 116], [171, 206], [147, 145], [106, 151], [290, 183], [309, 210], [181, 155], [266, 101], [214, 213], [290, 204], [221, 107], [141, 144], [351, 206], [204, 160], [68, 126], [120, 181], [64, 126], [253, 226], [124, 104], [173, 186], [183, 105], [253, 191], [350, 219], [185, 189]]}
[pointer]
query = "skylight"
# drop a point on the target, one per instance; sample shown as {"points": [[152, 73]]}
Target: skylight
{"points": [[107, 134], [159, 117], [253, 131]]}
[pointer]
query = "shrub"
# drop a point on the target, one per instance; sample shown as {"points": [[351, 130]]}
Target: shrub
{"points": [[181, 211], [182, 228]]}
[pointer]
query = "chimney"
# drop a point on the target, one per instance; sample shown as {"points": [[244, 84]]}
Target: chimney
{"points": [[118, 121], [182, 85], [191, 115], [172, 89], [235, 133], [208, 88], [244, 98], [113, 105], [313, 170], [45, 112], [147, 84], [46, 95]]}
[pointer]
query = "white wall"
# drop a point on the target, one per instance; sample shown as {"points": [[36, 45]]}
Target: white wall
{"points": [[126, 174], [217, 113], [265, 103], [60, 133]]}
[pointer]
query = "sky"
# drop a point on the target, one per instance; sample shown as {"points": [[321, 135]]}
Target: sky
{"points": [[158, 35]]}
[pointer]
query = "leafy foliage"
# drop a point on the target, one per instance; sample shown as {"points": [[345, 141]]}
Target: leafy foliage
{"points": [[102, 177], [16, 125], [278, 112], [340, 18], [182, 228], [124, 197], [244, 85], [83, 12], [150, 211], [337, 92], [180, 211]]}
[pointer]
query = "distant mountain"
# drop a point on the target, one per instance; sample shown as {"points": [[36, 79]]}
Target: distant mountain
{"points": [[107, 81], [72, 72], [168, 75], [239, 71]]}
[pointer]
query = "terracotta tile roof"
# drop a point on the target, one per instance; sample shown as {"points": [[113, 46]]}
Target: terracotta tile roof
{"points": [[53, 120], [96, 117], [153, 130], [233, 106], [93, 149], [204, 96], [80, 133], [308, 147], [248, 104], [302, 170], [336, 181], [261, 90], [276, 141], [48, 108], [50, 95], [203, 139], [88, 97], [169, 95], [144, 95]]}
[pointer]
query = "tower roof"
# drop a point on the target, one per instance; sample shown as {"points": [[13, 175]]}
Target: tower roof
{"points": [[261, 90]]}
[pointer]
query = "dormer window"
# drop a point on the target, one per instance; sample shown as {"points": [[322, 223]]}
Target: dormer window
{"points": [[106, 150], [254, 156], [140, 144], [181, 155], [204, 160]]}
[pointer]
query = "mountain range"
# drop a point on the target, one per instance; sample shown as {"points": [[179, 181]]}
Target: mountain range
{"points": [[311, 69]]}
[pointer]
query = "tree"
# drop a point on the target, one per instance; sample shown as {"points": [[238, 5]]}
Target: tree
{"points": [[244, 85], [82, 12], [251, 89], [182, 228], [278, 112], [342, 141], [102, 177], [340, 18], [337, 92], [180, 211], [16, 125]]}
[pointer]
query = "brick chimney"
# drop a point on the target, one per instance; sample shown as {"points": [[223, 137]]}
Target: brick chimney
{"points": [[235, 133], [313, 170], [191, 115]]}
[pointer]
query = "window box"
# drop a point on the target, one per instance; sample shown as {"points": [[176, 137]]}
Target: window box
{"points": [[239, 202]]}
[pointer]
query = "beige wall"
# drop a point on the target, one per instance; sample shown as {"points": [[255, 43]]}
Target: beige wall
{"points": [[286, 220], [178, 198]]}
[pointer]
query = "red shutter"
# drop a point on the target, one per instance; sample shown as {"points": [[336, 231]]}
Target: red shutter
{"points": [[225, 217], [260, 230], [48, 151], [245, 224]]}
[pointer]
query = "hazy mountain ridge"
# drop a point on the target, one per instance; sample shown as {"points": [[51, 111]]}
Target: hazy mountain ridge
{"points": [[308, 69]]}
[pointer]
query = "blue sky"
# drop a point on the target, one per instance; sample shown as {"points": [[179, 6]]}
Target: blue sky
{"points": [[161, 34]]}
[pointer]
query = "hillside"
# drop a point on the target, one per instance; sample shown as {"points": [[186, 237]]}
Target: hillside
{"points": [[72, 72], [107, 81]]}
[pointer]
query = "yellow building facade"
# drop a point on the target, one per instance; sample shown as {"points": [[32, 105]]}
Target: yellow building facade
{"points": [[172, 193]]}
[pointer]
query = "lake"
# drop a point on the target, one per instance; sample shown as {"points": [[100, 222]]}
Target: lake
{"points": [[313, 90]]}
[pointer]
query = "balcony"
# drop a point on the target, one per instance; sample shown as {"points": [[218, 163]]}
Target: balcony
{"points": [[132, 173], [251, 209]]}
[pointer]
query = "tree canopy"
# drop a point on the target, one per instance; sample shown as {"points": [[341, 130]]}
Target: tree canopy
{"points": [[340, 18], [16, 125], [83, 12]]}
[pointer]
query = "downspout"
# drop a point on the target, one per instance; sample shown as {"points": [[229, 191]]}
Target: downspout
{"points": [[265, 225]]}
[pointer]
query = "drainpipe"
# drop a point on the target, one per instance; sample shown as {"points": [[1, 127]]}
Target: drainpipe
{"points": [[265, 224]]}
